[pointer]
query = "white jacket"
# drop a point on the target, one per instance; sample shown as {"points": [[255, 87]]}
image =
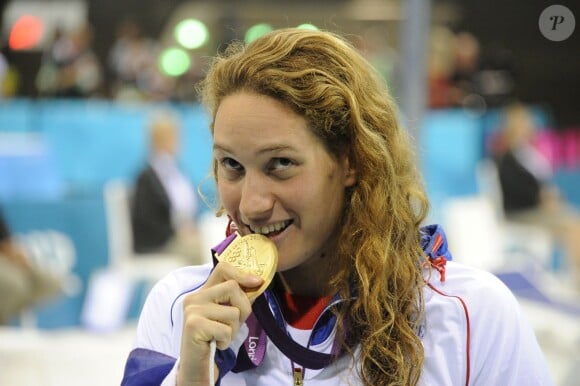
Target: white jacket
{"points": [[470, 315]]}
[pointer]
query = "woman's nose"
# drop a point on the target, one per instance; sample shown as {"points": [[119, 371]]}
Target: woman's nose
{"points": [[257, 199]]}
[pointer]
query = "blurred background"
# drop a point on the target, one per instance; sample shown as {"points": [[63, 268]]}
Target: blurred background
{"points": [[81, 81]]}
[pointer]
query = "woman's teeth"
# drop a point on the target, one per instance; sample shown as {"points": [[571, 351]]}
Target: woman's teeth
{"points": [[265, 230]]}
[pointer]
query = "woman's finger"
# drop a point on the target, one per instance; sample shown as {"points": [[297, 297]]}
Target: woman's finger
{"points": [[224, 314], [202, 329], [224, 272], [225, 293]]}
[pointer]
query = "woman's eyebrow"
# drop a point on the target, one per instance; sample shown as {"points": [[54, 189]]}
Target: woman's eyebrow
{"points": [[219, 147], [274, 148], [267, 149]]}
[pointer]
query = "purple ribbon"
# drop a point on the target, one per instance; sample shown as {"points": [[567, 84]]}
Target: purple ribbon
{"points": [[255, 343], [261, 323]]}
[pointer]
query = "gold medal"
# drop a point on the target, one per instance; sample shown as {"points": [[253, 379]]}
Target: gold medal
{"points": [[255, 254]]}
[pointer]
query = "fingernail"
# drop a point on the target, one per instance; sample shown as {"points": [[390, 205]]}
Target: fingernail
{"points": [[255, 279]]}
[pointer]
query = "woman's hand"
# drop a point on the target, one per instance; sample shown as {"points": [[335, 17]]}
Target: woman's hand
{"points": [[215, 311]]}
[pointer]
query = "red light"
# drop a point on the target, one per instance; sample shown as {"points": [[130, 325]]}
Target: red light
{"points": [[26, 33]]}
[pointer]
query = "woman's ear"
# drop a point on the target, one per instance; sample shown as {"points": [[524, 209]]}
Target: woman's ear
{"points": [[350, 176]]}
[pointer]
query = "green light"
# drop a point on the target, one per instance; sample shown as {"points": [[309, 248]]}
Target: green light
{"points": [[256, 31], [191, 33], [308, 26], [174, 61]]}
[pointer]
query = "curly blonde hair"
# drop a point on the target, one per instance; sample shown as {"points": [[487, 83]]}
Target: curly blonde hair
{"points": [[322, 77]]}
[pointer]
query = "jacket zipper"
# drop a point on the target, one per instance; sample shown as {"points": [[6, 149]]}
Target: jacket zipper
{"points": [[298, 376]]}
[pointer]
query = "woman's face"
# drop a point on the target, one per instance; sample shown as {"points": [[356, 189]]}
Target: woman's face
{"points": [[275, 177]]}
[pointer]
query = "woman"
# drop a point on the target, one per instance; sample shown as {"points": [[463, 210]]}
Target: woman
{"points": [[308, 151], [529, 193]]}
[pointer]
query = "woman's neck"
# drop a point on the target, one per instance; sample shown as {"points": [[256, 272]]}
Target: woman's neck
{"points": [[309, 279]]}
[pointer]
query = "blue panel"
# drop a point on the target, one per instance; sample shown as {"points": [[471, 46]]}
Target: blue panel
{"points": [[196, 152], [568, 181], [27, 168], [16, 115], [94, 141], [451, 148]]}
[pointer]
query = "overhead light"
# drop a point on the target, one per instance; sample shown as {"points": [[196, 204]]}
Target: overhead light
{"points": [[191, 33], [256, 31], [26, 33], [174, 62], [308, 26]]}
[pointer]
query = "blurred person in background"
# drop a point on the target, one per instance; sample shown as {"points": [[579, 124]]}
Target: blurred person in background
{"points": [[132, 63], [69, 66], [466, 67], [9, 75], [164, 202], [526, 178], [22, 284], [454, 70], [126, 56], [440, 67], [52, 56], [3, 73]]}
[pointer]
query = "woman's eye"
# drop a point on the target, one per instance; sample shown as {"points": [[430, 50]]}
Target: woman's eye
{"points": [[280, 164], [230, 164]]}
